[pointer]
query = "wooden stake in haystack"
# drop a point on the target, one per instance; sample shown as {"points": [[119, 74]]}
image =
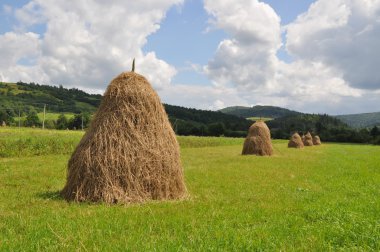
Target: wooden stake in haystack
{"points": [[317, 140], [130, 152], [295, 141], [258, 141], [308, 140]]}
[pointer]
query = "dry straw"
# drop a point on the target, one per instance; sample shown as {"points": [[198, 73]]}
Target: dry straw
{"points": [[295, 141], [258, 142], [316, 140], [308, 140], [130, 152]]}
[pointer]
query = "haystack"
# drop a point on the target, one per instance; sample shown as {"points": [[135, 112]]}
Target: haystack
{"points": [[317, 140], [258, 141], [295, 141], [4, 124], [130, 152], [308, 140]]}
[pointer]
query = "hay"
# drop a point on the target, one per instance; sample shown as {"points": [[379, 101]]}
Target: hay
{"points": [[316, 140], [308, 140], [295, 141], [130, 152], [258, 141]]}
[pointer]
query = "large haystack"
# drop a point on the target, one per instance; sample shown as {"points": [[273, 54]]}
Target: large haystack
{"points": [[130, 152], [308, 140], [295, 141], [258, 141], [316, 140]]}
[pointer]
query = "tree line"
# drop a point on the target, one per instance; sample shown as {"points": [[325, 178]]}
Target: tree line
{"points": [[327, 127], [207, 123], [32, 119]]}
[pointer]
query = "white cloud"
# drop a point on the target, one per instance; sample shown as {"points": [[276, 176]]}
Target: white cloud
{"points": [[86, 43], [201, 97], [7, 9], [343, 34], [321, 77], [255, 37]]}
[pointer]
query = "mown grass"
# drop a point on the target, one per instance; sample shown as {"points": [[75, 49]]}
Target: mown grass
{"points": [[320, 198], [22, 142]]}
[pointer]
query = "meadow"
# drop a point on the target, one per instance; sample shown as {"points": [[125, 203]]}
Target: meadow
{"points": [[317, 199]]}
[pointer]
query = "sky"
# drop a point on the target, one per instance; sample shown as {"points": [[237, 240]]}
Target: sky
{"points": [[316, 56]]}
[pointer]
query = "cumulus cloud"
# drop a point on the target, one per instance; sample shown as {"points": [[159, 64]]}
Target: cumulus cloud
{"points": [[254, 29], [330, 68], [85, 43], [343, 34]]}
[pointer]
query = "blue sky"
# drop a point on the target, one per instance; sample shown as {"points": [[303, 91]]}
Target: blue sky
{"points": [[183, 37], [316, 56]]}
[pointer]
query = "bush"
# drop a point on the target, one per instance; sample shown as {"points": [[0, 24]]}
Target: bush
{"points": [[32, 120]]}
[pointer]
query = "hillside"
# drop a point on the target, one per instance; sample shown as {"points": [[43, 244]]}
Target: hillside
{"points": [[259, 111], [361, 120], [72, 109], [32, 97], [26, 97]]}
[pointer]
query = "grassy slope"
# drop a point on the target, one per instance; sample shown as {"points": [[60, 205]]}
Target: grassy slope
{"points": [[318, 198]]}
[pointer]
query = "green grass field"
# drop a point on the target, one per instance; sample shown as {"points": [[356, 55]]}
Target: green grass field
{"points": [[255, 118], [322, 198]]}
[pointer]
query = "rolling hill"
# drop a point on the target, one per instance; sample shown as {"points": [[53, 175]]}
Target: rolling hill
{"points": [[26, 97], [259, 111], [365, 120], [357, 121]]}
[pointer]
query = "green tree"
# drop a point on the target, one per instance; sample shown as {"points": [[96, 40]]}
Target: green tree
{"points": [[375, 131], [32, 119], [76, 121], [216, 129], [62, 122], [5, 117]]}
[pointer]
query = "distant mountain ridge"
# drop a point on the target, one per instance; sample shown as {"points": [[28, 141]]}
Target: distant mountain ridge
{"points": [[358, 121], [364, 120], [259, 111]]}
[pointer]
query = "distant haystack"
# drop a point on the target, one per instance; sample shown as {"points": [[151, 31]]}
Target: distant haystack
{"points": [[308, 140], [3, 124], [295, 141], [316, 140], [258, 141], [130, 152]]}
